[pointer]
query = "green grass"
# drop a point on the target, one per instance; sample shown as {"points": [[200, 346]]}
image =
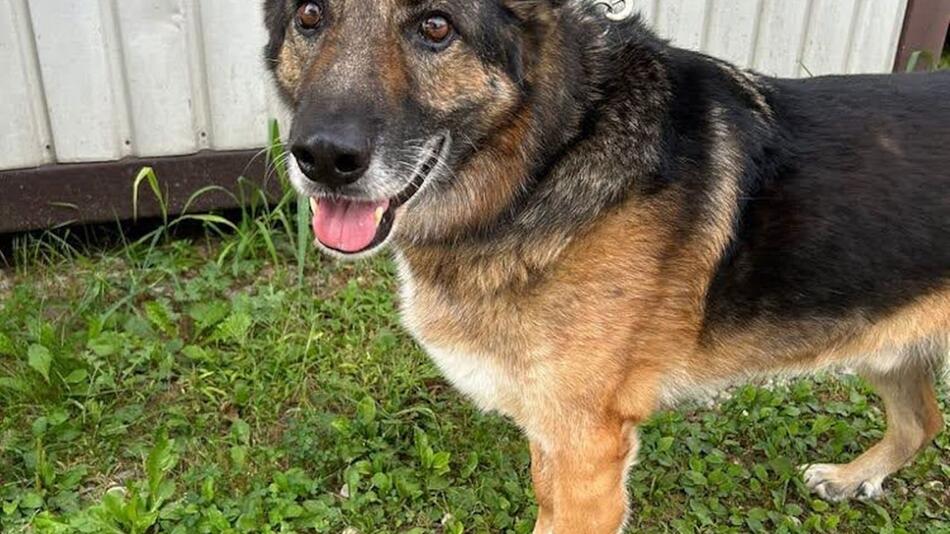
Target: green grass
{"points": [[923, 60], [236, 382]]}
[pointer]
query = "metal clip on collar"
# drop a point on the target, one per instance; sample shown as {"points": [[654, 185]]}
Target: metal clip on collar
{"points": [[616, 9]]}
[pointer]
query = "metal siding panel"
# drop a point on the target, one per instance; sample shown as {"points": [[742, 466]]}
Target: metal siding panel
{"points": [[877, 31], [160, 88], [24, 139], [683, 21], [829, 37], [71, 44], [234, 35], [733, 26], [648, 10], [199, 80], [117, 75], [186, 75], [782, 28]]}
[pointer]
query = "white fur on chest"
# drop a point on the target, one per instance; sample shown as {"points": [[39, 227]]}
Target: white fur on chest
{"points": [[477, 377], [481, 377]]}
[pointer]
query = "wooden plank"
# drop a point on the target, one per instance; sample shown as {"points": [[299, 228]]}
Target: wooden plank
{"points": [[76, 70], [683, 21], [159, 84], [57, 195], [24, 138], [237, 79], [733, 28], [925, 29], [830, 34], [782, 29]]}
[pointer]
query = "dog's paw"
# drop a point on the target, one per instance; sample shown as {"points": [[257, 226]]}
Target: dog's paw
{"points": [[830, 482]]}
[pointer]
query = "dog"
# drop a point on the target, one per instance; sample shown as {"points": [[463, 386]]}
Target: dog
{"points": [[591, 225]]}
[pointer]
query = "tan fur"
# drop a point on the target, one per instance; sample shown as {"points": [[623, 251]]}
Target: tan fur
{"points": [[597, 342], [578, 382], [290, 69], [317, 69], [459, 78], [393, 71], [542, 478], [471, 203], [927, 318], [811, 345]]}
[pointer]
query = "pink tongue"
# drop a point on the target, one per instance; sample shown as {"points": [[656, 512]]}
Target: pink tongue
{"points": [[346, 225]]}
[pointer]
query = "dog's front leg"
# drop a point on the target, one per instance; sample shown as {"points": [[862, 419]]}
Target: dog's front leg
{"points": [[588, 468], [541, 476]]}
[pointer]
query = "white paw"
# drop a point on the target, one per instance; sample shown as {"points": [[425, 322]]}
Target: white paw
{"points": [[827, 482]]}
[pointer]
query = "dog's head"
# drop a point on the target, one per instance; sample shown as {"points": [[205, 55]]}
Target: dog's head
{"points": [[391, 98]]}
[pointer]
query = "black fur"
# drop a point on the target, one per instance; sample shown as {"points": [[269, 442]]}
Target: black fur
{"points": [[855, 216], [277, 17]]}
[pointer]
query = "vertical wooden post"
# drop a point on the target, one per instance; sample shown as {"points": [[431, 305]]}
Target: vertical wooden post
{"points": [[925, 29]]}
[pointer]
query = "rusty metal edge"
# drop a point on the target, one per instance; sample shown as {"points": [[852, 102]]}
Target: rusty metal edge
{"points": [[61, 195]]}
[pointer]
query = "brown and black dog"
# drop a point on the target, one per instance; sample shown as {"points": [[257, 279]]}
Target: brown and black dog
{"points": [[592, 225]]}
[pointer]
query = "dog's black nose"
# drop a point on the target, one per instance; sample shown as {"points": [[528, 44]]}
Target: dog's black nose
{"points": [[334, 157]]}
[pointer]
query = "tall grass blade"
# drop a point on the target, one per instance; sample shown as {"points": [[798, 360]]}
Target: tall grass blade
{"points": [[147, 174], [914, 60], [278, 156]]}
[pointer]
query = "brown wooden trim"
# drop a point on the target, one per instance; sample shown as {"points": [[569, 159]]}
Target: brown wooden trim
{"points": [[925, 28], [58, 195]]}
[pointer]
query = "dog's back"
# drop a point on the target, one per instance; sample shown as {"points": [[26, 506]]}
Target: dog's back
{"points": [[840, 250], [853, 218]]}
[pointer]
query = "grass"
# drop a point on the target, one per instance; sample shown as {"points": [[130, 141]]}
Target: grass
{"points": [[235, 382], [928, 62]]}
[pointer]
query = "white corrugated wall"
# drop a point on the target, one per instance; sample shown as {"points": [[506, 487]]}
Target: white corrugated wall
{"points": [[99, 80], [792, 38]]}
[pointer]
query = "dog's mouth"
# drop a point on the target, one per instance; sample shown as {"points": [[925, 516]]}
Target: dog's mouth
{"points": [[352, 226]]}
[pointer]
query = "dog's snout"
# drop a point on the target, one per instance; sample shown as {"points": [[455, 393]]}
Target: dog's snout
{"points": [[334, 157]]}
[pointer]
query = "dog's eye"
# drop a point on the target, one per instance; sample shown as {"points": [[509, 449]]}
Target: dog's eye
{"points": [[309, 16], [436, 29]]}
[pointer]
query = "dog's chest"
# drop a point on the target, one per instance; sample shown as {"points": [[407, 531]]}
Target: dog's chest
{"points": [[486, 373], [479, 377]]}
